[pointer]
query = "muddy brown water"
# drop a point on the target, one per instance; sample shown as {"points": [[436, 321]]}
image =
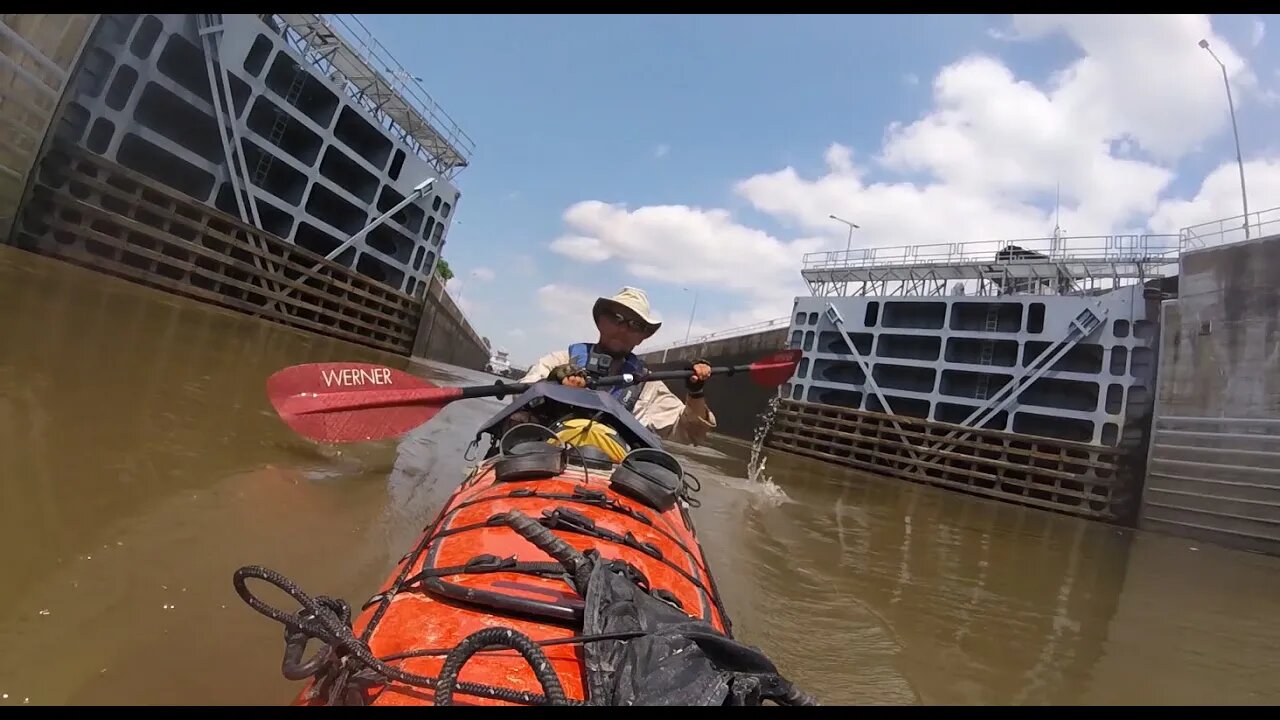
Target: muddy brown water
{"points": [[142, 465]]}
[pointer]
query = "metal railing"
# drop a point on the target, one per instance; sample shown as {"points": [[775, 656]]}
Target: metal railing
{"points": [[1094, 248], [1230, 230], [1147, 249], [359, 41], [722, 334]]}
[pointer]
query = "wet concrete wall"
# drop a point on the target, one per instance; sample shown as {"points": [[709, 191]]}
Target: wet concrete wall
{"points": [[1214, 466], [444, 335], [37, 53], [737, 402]]}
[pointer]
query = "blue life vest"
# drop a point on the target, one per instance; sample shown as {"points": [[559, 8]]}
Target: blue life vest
{"points": [[579, 354]]}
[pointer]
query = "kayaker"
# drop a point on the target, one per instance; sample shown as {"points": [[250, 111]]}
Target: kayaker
{"points": [[624, 321]]}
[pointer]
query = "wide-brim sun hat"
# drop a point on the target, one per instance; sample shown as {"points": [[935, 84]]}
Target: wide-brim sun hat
{"points": [[633, 299]]}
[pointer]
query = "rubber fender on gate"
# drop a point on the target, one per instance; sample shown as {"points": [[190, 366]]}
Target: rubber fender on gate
{"points": [[653, 477], [529, 451]]}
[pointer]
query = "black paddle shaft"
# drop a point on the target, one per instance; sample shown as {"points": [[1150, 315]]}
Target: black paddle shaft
{"points": [[501, 389]]}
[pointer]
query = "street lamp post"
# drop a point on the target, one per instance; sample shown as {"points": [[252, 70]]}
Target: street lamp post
{"points": [[844, 289], [849, 242], [692, 310], [1244, 198], [474, 274]]}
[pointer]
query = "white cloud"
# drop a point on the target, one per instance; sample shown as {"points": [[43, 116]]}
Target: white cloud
{"points": [[685, 245], [1143, 76], [983, 163], [661, 150], [911, 79], [889, 213], [566, 314], [483, 273], [992, 138], [582, 249], [998, 34], [1219, 197], [1259, 31]]}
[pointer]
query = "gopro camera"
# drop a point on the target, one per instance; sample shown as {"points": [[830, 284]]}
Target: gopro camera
{"points": [[598, 364]]}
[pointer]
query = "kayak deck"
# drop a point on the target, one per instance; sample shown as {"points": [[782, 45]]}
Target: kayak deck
{"points": [[468, 573], [542, 581]]}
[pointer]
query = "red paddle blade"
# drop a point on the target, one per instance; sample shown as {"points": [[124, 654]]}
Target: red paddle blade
{"points": [[352, 402], [775, 369]]}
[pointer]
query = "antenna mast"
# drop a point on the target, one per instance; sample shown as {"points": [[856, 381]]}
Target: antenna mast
{"points": [[1057, 215]]}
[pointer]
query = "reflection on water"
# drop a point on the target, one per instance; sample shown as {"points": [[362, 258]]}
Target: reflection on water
{"points": [[142, 465]]}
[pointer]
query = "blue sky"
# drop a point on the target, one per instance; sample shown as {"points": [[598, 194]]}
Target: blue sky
{"points": [[683, 153]]}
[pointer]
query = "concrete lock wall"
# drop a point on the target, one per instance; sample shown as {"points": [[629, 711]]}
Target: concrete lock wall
{"points": [[1214, 466], [37, 54], [444, 335], [736, 401]]}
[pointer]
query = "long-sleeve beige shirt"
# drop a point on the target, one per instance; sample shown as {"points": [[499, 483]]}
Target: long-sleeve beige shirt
{"points": [[657, 408]]}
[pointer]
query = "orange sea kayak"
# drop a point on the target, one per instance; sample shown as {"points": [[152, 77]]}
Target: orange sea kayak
{"points": [[565, 569]]}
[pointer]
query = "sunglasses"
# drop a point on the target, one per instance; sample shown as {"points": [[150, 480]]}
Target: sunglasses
{"points": [[629, 323]]}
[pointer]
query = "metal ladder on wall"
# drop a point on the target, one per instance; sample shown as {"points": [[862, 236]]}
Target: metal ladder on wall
{"points": [[281, 124], [210, 28], [987, 355]]}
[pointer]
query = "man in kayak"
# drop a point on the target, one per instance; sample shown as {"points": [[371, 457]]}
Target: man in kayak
{"points": [[624, 321]]}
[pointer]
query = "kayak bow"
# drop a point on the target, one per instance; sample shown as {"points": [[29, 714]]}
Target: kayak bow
{"points": [[553, 575]]}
